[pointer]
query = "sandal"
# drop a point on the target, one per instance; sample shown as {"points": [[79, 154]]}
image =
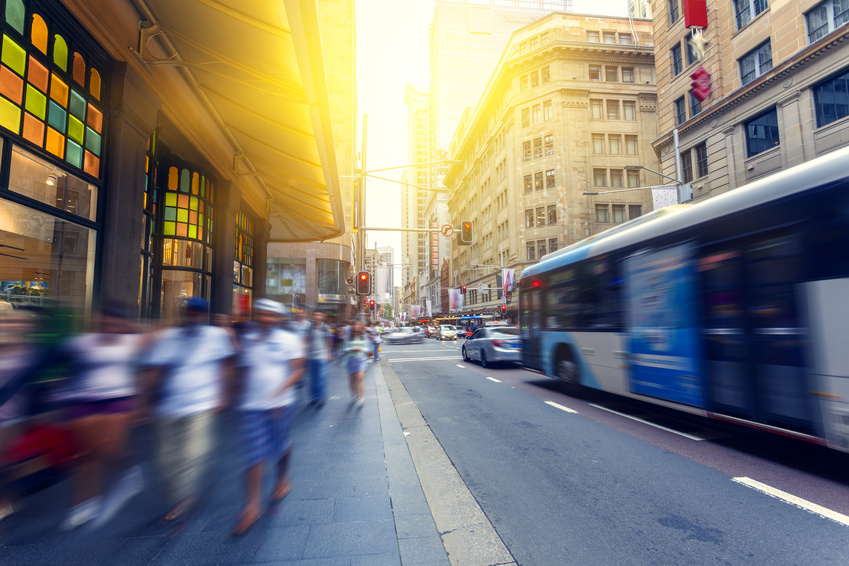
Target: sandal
{"points": [[249, 519]]}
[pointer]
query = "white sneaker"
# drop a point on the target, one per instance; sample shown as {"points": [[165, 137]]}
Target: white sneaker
{"points": [[352, 400], [81, 514], [360, 403], [127, 487]]}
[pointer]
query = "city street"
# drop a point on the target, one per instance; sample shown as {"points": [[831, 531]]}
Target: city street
{"points": [[594, 479]]}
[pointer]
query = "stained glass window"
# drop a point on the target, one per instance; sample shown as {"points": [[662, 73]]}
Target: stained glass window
{"points": [[43, 93], [188, 213], [244, 240]]}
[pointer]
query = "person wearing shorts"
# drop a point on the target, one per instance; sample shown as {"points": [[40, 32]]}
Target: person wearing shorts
{"points": [[271, 363], [356, 349]]}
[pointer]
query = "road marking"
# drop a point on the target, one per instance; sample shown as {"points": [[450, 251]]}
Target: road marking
{"points": [[639, 420], [793, 500], [493, 379], [461, 367], [409, 351], [424, 359], [561, 407]]}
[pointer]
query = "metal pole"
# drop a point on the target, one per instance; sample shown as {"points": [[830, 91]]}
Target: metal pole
{"points": [[362, 212]]}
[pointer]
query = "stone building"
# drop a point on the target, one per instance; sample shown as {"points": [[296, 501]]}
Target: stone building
{"points": [[779, 89], [571, 103]]}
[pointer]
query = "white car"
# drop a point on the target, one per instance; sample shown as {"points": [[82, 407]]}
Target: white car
{"points": [[446, 332]]}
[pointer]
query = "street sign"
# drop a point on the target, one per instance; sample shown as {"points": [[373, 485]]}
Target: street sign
{"points": [[447, 230]]}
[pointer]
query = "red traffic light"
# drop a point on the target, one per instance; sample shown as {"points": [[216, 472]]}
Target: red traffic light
{"points": [[371, 304], [363, 283], [503, 308], [463, 289], [363, 276]]}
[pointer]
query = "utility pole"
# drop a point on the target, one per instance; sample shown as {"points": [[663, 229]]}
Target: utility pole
{"points": [[362, 204]]}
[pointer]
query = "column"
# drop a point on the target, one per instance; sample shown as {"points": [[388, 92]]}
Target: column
{"points": [[133, 109], [261, 257], [228, 200]]}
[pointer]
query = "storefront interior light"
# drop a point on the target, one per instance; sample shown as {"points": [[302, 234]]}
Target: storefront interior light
{"points": [[51, 180]]}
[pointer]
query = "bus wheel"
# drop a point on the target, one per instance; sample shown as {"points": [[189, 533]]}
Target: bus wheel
{"points": [[567, 367]]}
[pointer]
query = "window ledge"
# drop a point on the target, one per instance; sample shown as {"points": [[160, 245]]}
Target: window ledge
{"points": [[752, 21]]}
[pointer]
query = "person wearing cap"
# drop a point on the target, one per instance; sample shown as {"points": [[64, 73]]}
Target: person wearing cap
{"points": [[185, 385], [271, 363]]}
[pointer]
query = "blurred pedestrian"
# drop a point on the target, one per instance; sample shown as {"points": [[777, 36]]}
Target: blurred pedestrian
{"points": [[319, 349], [356, 349], [271, 362], [376, 340], [186, 385], [299, 324], [102, 390]]}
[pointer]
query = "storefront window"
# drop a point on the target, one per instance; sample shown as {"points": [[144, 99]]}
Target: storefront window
{"points": [[286, 278], [44, 258], [179, 286], [331, 277]]}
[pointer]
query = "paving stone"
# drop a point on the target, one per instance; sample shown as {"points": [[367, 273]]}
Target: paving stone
{"points": [[369, 508], [348, 539]]}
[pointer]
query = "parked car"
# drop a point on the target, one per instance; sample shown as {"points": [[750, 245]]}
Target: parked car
{"points": [[446, 332], [407, 335], [493, 344]]}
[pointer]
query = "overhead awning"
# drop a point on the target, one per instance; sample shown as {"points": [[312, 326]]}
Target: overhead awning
{"points": [[258, 67]]}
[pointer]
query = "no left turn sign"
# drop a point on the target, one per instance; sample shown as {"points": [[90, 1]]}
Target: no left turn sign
{"points": [[447, 230]]}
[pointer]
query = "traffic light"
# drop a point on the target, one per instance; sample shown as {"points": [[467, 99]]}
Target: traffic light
{"points": [[701, 84], [503, 310], [297, 301], [463, 290], [363, 283], [466, 233], [371, 305], [365, 303]]}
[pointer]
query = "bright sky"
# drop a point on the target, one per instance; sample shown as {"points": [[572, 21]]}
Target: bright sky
{"points": [[392, 50]]}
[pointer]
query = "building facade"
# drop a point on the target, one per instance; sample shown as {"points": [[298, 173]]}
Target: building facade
{"points": [[778, 89], [569, 106], [414, 246], [141, 177]]}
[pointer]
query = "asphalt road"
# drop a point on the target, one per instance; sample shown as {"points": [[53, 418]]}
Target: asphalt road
{"points": [[595, 479]]}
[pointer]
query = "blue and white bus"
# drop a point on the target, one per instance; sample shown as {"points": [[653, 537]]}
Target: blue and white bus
{"points": [[735, 308]]}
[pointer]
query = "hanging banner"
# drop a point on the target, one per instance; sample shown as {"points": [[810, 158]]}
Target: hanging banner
{"points": [[415, 311], [429, 304], [455, 300], [508, 275], [664, 196]]}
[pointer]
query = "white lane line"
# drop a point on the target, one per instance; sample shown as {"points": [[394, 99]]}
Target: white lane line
{"points": [[459, 366], [793, 500], [493, 379], [437, 358], [639, 420], [561, 407], [409, 351]]}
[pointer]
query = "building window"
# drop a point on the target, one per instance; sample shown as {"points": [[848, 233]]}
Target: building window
{"points": [[601, 213], [695, 105], [598, 143], [625, 39], [609, 37], [633, 179], [616, 178], [618, 213], [701, 159], [597, 109], [615, 142], [611, 74], [534, 79], [674, 14], [526, 117], [534, 43], [831, 99], [762, 133], [630, 145], [530, 250], [541, 249], [691, 54], [529, 184], [680, 111], [630, 109], [599, 177], [526, 150], [552, 245], [523, 83], [612, 109], [755, 63], [635, 211], [549, 179], [549, 144], [592, 36], [537, 114], [745, 10], [546, 110], [541, 216], [544, 38], [826, 17], [627, 74], [537, 148], [677, 62], [687, 166], [595, 72], [538, 181], [552, 214], [546, 74], [529, 218]]}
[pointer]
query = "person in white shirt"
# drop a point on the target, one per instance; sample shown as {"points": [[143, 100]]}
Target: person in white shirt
{"points": [[187, 385], [271, 363]]}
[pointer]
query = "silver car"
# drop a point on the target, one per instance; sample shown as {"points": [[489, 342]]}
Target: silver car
{"points": [[446, 332], [405, 335], [492, 345]]}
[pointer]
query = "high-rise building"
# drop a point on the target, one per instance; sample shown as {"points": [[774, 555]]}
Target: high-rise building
{"points": [[778, 97], [414, 245], [467, 38], [570, 106], [639, 9]]}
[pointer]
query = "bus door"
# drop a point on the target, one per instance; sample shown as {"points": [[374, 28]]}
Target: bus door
{"points": [[778, 336], [531, 327]]}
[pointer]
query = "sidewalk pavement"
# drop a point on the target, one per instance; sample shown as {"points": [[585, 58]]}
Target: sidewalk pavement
{"points": [[356, 500]]}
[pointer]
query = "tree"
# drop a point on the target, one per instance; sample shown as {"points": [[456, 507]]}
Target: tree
{"points": [[387, 311]]}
